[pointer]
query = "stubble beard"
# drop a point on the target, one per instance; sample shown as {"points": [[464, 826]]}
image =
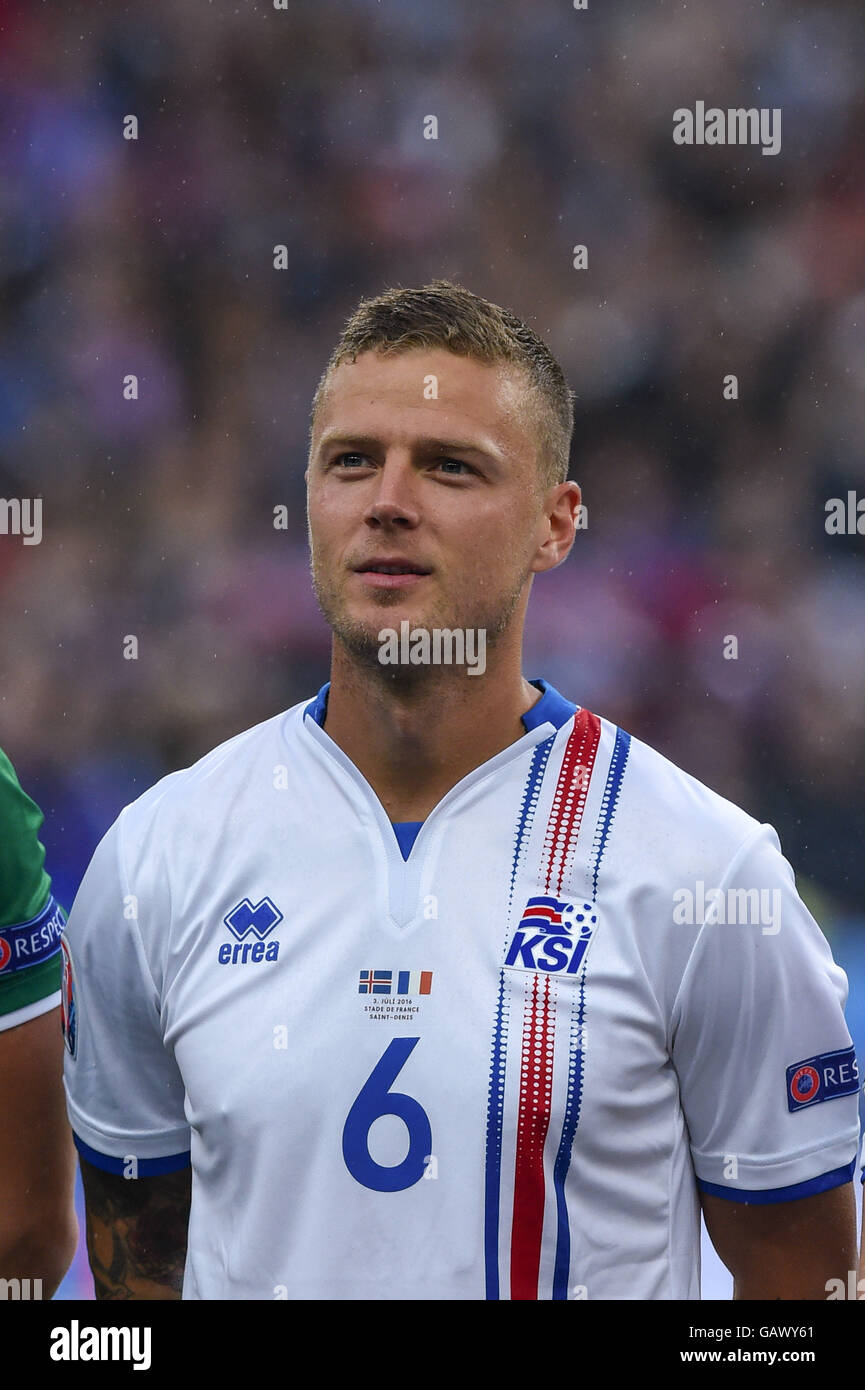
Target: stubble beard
{"points": [[360, 637]]}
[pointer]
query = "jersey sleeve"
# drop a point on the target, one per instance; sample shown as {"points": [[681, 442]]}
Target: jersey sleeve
{"points": [[31, 921], [124, 1092], [768, 1077]]}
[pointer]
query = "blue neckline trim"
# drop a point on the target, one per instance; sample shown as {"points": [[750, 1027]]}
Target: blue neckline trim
{"points": [[406, 832], [551, 708]]}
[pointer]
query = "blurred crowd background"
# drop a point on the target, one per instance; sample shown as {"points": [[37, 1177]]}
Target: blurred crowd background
{"points": [[304, 127]]}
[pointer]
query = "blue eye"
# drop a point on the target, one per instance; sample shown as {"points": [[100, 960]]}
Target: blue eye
{"points": [[452, 466]]}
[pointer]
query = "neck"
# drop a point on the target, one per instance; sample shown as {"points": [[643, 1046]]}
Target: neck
{"points": [[415, 739]]}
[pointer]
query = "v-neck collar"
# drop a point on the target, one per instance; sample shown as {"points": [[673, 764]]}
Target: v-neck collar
{"points": [[406, 876]]}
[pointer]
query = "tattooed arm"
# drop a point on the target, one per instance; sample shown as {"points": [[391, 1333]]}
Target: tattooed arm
{"points": [[136, 1232]]}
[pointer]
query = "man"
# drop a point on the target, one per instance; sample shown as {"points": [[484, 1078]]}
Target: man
{"points": [[400, 976], [38, 1230]]}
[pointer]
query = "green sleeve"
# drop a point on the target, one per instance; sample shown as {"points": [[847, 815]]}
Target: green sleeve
{"points": [[25, 889]]}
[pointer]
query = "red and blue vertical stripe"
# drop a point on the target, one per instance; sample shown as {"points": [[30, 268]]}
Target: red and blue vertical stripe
{"points": [[541, 1013]]}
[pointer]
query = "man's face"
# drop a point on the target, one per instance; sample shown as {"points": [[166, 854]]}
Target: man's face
{"points": [[443, 490]]}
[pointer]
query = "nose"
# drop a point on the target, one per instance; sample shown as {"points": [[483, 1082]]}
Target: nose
{"points": [[394, 494]]}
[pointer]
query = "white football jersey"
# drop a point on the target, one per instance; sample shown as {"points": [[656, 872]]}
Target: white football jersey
{"points": [[493, 1058]]}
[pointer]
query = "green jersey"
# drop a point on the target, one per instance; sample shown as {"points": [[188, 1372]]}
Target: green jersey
{"points": [[31, 921]]}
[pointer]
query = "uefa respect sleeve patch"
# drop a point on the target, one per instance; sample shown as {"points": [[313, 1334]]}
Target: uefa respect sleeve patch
{"points": [[29, 943], [825, 1077]]}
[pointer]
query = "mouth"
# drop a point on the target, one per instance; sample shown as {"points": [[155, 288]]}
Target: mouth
{"points": [[394, 573]]}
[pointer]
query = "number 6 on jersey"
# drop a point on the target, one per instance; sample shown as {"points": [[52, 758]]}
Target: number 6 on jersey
{"points": [[374, 1100]]}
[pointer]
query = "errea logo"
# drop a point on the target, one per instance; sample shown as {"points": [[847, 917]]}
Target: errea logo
{"points": [[249, 919]]}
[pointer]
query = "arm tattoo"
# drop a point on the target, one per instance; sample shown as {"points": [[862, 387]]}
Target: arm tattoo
{"points": [[136, 1233]]}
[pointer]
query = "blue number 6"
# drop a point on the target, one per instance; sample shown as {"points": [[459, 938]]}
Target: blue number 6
{"points": [[376, 1099]]}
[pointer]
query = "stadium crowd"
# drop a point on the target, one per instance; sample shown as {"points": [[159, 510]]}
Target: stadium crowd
{"points": [[260, 127]]}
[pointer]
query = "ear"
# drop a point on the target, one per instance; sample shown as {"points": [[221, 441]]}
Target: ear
{"points": [[561, 510]]}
